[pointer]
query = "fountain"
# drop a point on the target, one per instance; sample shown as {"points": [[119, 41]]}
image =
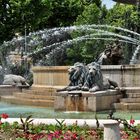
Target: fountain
{"points": [[88, 90], [49, 46], [48, 79]]}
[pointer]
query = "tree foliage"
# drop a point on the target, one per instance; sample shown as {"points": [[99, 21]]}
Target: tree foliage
{"points": [[89, 49], [16, 15], [123, 16]]}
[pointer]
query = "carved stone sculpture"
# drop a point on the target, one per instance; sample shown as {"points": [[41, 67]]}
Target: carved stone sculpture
{"points": [[112, 55], [95, 80], [77, 74], [14, 80], [88, 78], [105, 57], [77, 77], [117, 54]]}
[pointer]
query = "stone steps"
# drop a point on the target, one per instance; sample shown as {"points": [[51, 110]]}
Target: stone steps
{"points": [[41, 93], [131, 89], [133, 95], [38, 87], [32, 96], [131, 100], [8, 90], [127, 106], [25, 101], [43, 90]]}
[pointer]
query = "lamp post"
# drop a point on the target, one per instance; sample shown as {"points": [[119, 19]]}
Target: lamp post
{"points": [[25, 41], [25, 51]]}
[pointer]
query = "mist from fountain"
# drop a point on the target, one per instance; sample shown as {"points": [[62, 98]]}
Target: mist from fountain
{"points": [[93, 32]]}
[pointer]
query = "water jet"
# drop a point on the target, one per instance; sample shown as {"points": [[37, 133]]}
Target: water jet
{"points": [[47, 79]]}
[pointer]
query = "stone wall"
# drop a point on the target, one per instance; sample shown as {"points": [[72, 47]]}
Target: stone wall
{"points": [[50, 76], [124, 75]]}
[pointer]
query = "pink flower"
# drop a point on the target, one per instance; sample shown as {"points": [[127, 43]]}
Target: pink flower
{"points": [[93, 133], [38, 136], [57, 134], [124, 135], [50, 136], [0, 122], [4, 116], [132, 121]]}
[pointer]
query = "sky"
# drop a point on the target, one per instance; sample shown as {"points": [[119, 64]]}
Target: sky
{"points": [[109, 3]]}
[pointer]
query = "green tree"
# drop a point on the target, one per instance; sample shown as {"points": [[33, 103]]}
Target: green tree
{"points": [[5, 21], [123, 16], [32, 13], [16, 14], [89, 16], [64, 12], [88, 50]]}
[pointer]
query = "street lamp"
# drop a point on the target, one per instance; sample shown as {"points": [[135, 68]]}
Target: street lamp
{"points": [[25, 51], [25, 41]]}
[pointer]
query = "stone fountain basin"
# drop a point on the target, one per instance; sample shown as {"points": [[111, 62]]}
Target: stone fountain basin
{"points": [[86, 101]]}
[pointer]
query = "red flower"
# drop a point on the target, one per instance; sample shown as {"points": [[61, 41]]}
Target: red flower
{"points": [[74, 135], [132, 121], [57, 134], [4, 116], [136, 138]]}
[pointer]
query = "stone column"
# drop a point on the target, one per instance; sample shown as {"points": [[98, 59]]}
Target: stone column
{"points": [[111, 130]]}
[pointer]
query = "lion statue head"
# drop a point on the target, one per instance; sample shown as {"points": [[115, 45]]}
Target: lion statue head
{"points": [[94, 79], [77, 74]]}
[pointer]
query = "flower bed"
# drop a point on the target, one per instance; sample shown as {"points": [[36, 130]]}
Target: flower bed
{"points": [[26, 130]]}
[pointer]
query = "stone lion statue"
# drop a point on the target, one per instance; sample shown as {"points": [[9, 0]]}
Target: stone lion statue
{"points": [[88, 78], [14, 80], [11, 79], [95, 80], [77, 76]]}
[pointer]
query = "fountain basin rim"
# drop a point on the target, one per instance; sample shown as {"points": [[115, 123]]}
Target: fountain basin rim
{"points": [[6, 86], [50, 68], [87, 93], [65, 68]]}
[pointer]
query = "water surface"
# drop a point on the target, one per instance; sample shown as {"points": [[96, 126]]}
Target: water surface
{"points": [[15, 111]]}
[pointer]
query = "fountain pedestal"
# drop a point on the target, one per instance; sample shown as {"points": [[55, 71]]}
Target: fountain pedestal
{"points": [[86, 101]]}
